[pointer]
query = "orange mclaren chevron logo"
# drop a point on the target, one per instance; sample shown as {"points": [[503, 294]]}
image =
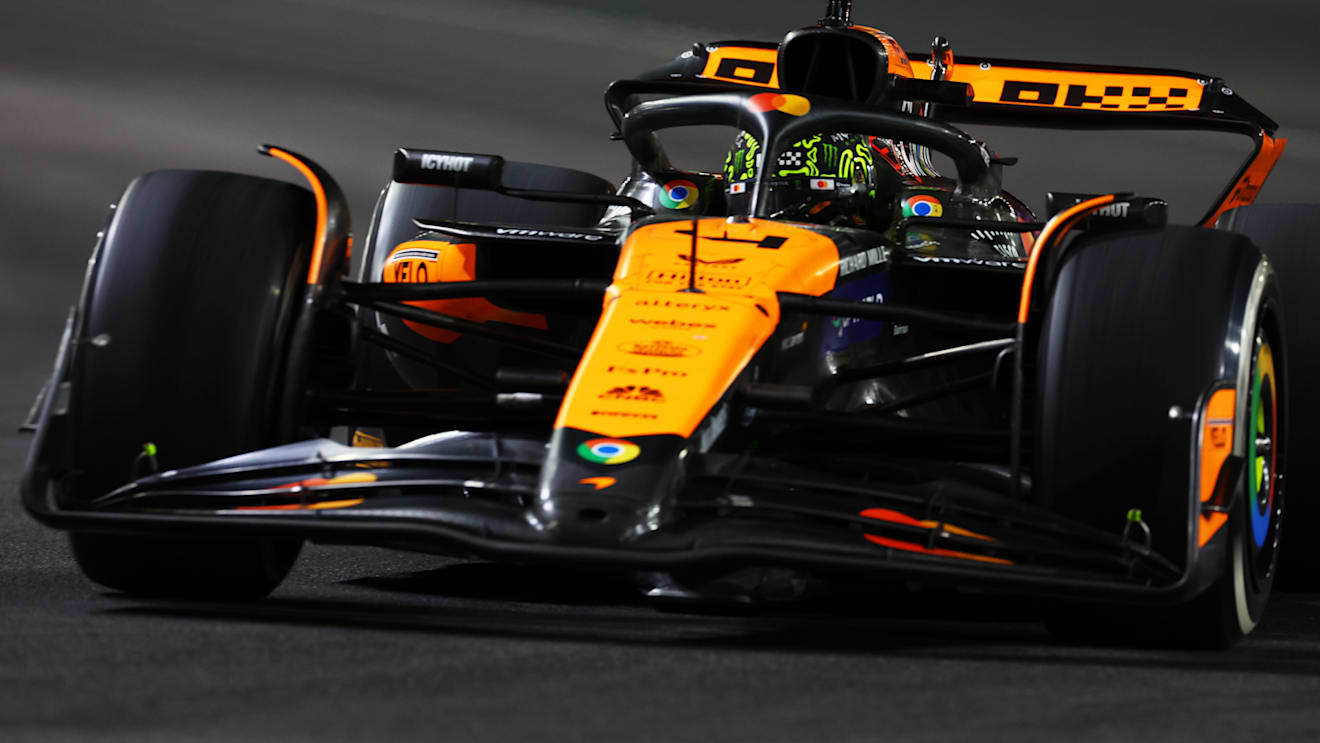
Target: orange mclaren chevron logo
{"points": [[703, 339]]}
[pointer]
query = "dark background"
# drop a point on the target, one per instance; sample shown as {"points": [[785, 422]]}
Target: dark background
{"points": [[363, 644]]}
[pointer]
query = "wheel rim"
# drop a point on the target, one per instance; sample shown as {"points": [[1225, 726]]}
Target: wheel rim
{"points": [[1264, 501]]}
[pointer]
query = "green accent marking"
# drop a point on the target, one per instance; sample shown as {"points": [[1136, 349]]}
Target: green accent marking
{"points": [[149, 449], [847, 164], [1134, 515]]}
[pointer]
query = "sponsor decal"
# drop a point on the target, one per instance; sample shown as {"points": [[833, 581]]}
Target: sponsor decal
{"points": [[843, 333], [737, 188], [678, 194], [672, 324], [843, 323], [599, 483], [609, 451], [793, 341], [1141, 96], [634, 393], [676, 278], [412, 265], [822, 184], [670, 304], [548, 233], [968, 261], [646, 371], [448, 163], [1117, 210], [793, 105], [923, 206], [413, 254], [661, 348], [624, 414], [860, 261]]}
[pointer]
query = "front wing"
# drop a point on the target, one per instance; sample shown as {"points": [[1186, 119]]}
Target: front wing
{"points": [[469, 494]]}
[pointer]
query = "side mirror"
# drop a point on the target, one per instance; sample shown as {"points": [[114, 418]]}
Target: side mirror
{"points": [[1127, 211], [440, 168]]}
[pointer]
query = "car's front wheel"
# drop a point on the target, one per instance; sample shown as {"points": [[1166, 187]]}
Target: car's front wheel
{"points": [[188, 305]]}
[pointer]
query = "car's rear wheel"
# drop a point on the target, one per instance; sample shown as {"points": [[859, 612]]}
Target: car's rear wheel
{"points": [[189, 305], [1141, 329]]}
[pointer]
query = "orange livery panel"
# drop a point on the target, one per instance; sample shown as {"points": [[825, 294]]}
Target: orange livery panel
{"points": [[662, 356], [425, 261], [745, 65]]}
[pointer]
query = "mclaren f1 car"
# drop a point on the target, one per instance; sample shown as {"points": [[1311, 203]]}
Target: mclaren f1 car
{"points": [[825, 364]]}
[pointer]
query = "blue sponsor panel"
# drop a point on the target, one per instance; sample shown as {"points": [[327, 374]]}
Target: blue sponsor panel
{"points": [[844, 332]]}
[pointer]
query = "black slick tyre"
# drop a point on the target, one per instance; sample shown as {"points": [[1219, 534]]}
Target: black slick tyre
{"points": [[1141, 329], [191, 296]]}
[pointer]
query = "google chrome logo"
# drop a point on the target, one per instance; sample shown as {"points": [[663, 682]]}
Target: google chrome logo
{"points": [[678, 195], [923, 206], [609, 451]]}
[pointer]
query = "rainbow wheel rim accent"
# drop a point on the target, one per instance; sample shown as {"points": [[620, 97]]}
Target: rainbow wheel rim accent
{"points": [[678, 195], [1262, 450], [609, 451]]}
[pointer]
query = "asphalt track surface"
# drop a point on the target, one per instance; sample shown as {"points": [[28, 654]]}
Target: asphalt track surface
{"points": [[362, 644]]}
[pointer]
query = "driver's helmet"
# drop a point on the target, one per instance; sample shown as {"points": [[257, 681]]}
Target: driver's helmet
{"points": [[824, 179]]}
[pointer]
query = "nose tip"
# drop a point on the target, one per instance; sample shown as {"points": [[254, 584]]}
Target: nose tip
{"points": [[593, 519]]}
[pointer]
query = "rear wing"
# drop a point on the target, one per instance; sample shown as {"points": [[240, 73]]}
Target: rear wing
{"points": [[1046, 95]]}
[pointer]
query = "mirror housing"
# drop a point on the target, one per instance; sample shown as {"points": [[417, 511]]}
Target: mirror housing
{"points": [[441, 168]]}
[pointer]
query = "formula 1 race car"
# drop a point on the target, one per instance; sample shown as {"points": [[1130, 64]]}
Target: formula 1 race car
{"points": [[826, 365]]}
